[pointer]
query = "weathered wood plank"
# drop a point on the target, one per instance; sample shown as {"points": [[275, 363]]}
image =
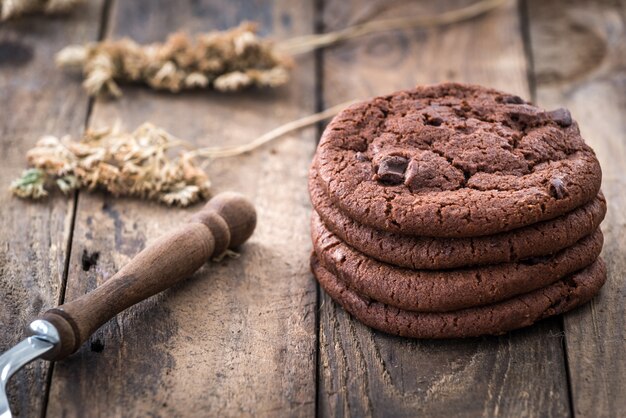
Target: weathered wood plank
{"points": [[579, 49], [367, 373], [37, 99], [239, 338]]}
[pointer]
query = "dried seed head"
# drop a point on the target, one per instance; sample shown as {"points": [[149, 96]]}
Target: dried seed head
{"points": [[135, 164], [196, 80], [124, 164], [30, 184], [232, 81], [13, 8], [227, 61], [74, 56]]}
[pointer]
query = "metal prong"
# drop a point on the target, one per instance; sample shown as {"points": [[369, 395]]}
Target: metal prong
{"points": [[44, 338]]}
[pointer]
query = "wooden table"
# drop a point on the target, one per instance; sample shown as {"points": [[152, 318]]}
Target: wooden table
{"points": [[255, 336]]}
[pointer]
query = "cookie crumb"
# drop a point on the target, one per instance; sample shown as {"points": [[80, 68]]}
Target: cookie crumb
{"points": [[339, 256], [361, 157], [561, 116], [89, 260], [512, 100], [557, 188]]}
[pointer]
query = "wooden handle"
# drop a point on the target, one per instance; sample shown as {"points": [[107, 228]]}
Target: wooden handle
{"points": [[226, 221]]}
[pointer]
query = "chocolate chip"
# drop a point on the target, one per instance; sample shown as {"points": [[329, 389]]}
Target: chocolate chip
{"points": [[413, 176], [557, 188], [435, 121], [89, 260], [561, 116], [427, 170], [391, 169], [512, 100], [361, 157], [432, 118]]}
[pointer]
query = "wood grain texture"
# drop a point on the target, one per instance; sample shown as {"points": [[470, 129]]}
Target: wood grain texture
{"points": [[36, 99], [367, 373], [237, 339], [226, 221], [587, 76]]}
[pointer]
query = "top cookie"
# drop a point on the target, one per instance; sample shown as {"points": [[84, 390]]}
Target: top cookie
{"points": [[455, 160]]}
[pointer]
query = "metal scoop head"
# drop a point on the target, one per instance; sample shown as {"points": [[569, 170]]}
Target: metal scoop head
{"points": [[43, 339]]}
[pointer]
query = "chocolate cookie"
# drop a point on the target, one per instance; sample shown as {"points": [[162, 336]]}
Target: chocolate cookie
{"points": [[495, 319], [540, 239], [447, 290], [455, 160]]}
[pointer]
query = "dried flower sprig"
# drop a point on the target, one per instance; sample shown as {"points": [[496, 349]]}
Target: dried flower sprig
{"points": [[231, 151], [13, 8], [226, 61], [124, 164], [308, 43], [147, 163]]}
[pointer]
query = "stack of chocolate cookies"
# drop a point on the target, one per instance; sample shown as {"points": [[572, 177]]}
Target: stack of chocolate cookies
{"points": [[454, 211]]}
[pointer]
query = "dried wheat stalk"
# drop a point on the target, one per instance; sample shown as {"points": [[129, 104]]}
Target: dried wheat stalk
{"points": [[309, 43], [223, 152], [226, 61], [13, 8], [147, 163], [124, 164]]}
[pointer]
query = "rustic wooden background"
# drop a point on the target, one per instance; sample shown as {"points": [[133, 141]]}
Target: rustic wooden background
{"points": [[254, 336]]}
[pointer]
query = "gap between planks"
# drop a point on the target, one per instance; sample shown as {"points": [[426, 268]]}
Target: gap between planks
{"points": [[104, 21]]}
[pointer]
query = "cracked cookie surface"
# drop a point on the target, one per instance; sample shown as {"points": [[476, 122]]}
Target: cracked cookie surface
{"points": [[495, 319], [447, 290], [415, 252], [454, 160]]}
